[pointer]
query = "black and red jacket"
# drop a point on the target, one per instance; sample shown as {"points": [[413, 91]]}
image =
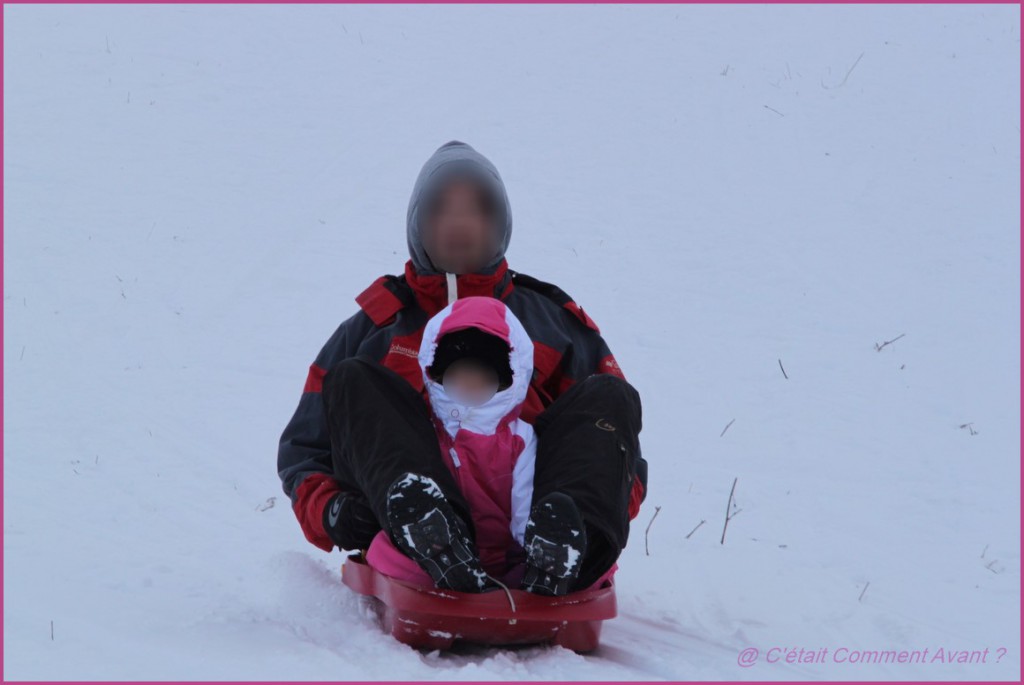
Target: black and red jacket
{"points": [[388, 327]]}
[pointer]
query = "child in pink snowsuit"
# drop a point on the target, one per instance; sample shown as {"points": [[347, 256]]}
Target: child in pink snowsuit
{"points": [[477, 362]]}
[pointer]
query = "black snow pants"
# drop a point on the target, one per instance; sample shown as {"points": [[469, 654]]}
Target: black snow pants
{"points": [[588, 448]]}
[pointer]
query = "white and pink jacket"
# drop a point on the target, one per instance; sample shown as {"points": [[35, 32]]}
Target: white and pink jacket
{"points": [[488, 449]]}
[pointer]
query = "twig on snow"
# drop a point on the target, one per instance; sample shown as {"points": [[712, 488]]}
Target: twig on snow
{"points": [[728, 510], [647, 530], [969, 426], [879, 348], [702, 522], [850, 70]]}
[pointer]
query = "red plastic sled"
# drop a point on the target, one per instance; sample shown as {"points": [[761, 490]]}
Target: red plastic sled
{"points": [[434, 618]]}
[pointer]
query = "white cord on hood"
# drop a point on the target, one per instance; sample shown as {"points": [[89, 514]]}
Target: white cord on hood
{"points": [[453, 288]]}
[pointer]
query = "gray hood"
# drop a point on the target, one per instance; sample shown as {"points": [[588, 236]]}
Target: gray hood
{"points": [[452, 159]]}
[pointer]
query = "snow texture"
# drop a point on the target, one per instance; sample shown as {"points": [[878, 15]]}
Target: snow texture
{"points": [[747, 199]]}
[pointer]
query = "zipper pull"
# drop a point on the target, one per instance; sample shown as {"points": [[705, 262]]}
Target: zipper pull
{"points": [[455, 457]]}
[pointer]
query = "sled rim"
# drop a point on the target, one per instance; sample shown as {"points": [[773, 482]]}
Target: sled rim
{"points": [[586, 605]]}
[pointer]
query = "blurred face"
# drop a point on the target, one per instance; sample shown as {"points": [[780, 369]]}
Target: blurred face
{"points": [[470, 382], [460, 235]]}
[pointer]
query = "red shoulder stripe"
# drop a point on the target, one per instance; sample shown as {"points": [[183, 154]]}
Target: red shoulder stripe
{"points": [[581, 315], [379, 303], [315, 379]]}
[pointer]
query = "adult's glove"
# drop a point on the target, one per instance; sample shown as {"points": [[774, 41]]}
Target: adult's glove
{"points": [[349, 521]]}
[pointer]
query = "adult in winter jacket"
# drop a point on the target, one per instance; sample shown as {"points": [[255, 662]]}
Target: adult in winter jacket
{"points": [[585, 415]]}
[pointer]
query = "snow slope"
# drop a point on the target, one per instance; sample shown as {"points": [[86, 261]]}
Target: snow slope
{"points": [[195, 194]]}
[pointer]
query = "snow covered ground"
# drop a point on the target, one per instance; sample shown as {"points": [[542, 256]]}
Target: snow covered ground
{"points": [[194, 195]]}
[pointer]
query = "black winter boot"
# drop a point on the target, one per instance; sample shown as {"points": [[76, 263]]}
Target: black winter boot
{"points": [[426, 528], [555, 542]]}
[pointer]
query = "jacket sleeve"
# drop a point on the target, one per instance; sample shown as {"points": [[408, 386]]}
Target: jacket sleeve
{"points": [[589, 354], [304, 453]]}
